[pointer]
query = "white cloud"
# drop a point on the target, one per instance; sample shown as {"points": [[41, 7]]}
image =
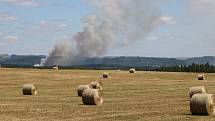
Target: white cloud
{"points": [[62, 38], [7, 17], [30, 3], [43, 24], [203, 6], [51, 25], [1, 34], [48, 29], [168, 34], [8, 38], [152, 38], [167, 20], [61, 25], [11, 38]]}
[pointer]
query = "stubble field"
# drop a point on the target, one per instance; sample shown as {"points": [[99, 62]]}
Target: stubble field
{"points": [[143, 96]]}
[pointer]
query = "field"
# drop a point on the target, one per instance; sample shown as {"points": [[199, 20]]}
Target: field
{"points": [[143, 96]]}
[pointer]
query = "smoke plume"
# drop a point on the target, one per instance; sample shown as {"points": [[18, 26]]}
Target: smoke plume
{"points": [[115, 21]]}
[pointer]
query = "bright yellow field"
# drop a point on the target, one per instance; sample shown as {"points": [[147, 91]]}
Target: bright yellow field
{"points": [[143, 96]]}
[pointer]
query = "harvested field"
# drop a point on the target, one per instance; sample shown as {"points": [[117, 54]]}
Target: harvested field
{"points": [[143, 96]]}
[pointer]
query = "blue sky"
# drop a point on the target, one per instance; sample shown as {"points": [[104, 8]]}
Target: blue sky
{"points": [[35, 26]]}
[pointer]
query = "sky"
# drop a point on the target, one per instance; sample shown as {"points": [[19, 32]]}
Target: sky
{"points": [[36, 26]]}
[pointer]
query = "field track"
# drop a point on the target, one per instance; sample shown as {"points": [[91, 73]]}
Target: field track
{"points": [[143, 96]]}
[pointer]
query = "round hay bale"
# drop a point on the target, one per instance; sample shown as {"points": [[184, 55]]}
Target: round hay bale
{"points": [[132, 70], [29, 89], [81, 89], [96, 85], [195, 90], [202, 104], [105, 75], [201, 77], [92, 97]]}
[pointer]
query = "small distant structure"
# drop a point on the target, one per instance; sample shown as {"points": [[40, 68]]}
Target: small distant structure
{"points": [[55, 68], [37, 65]]}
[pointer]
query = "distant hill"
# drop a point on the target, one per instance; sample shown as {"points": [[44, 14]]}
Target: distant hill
{"points": [[4, 57], [31, 60], [201, 60], [28, 60], [134, 61]]}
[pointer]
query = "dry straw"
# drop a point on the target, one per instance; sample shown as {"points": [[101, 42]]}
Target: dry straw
{"points": [[96, 85], [201, 77], [132, 70], [29, 89], [92, 97], [105, 75], [81, 89], [202, 104], [195, 90]]}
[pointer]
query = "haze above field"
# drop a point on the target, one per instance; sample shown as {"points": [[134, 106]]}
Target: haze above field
{"points": [[183, 28]]}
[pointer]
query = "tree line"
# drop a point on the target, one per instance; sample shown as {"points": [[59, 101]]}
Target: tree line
{"points": [[206, 68]]}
